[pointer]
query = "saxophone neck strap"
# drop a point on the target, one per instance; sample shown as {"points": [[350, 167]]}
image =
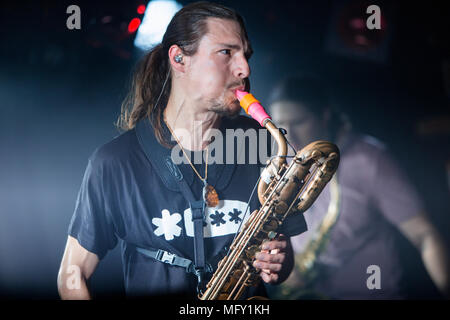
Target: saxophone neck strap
{"points": [[198, 213], [173, 179], [170, 258], [169, 173]]}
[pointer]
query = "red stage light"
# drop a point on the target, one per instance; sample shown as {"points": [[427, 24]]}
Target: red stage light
{"points": [[134, 25], [141, 9]]}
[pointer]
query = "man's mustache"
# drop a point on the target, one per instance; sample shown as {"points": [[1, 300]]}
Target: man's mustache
{"points": [[245, 83]]}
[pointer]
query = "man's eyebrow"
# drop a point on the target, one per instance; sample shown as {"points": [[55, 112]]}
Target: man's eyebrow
{"points": [[229, 45]]}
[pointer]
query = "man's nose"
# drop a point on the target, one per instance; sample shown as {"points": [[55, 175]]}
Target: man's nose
{"points": [[241, 69]]}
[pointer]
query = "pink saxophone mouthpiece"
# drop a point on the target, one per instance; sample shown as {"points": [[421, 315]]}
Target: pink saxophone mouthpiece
{"points": [[252, 106]]}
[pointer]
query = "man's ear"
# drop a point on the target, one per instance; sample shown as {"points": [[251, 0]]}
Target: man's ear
{"points": [[176, 58]]}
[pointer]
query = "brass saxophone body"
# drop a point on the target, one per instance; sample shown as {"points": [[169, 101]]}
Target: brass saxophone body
{"points": [[283, 190]]}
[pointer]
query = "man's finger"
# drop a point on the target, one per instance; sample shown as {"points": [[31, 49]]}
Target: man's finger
{"points": [[269, 278], [274, 244], [272, 267], [269, 257]]}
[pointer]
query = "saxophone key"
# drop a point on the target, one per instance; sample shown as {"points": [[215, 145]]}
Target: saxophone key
{"points": [[261, 235], [271, 235], [251, 251], [271, 225], [281, 207]]}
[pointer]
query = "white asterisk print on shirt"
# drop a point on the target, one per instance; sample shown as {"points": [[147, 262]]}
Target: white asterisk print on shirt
{"points": [[220, 221], [167, 225]]}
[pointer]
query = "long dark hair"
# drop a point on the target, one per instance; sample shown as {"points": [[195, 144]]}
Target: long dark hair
{"points": [[185, 29]]}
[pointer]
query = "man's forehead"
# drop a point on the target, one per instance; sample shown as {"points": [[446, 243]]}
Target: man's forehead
{"points": [[224, 31]]}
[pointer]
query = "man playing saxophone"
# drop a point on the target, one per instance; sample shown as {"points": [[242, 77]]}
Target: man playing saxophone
{"points": [[133, 194]]}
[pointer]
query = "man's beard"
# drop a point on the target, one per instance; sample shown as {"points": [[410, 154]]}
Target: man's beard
{"points": [[228, 106], [226, 110]]}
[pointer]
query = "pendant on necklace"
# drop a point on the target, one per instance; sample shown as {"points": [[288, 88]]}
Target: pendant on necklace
{"points": [[210, 195]]}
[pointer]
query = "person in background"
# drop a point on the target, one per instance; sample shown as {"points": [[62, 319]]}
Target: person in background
{"points": [[350, 250]]}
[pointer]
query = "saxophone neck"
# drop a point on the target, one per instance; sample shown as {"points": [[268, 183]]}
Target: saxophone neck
{"points": [[257, 112], [280, 140]]}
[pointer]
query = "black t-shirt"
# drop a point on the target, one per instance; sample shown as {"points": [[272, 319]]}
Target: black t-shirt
{"points": [[122, 196]]}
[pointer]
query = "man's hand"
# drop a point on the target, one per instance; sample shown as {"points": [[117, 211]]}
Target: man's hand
{"points": [[275, 260]]}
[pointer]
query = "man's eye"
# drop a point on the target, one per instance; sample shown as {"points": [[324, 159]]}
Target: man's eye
{"points": [[226, 51]]}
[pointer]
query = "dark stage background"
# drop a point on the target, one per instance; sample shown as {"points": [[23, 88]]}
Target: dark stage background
{"points": [[61, 90]]}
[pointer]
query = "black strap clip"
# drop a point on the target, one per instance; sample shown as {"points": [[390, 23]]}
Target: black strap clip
{"points": [[201, 277], [165, 256]]}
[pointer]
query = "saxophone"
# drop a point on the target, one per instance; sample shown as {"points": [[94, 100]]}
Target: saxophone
{"points": [[283, 190]]}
